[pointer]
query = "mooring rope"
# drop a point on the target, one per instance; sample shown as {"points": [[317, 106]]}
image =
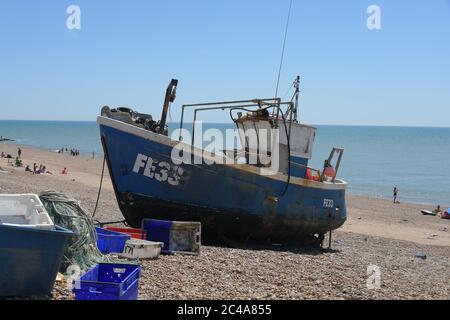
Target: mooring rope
{"points": [[100, 188]]}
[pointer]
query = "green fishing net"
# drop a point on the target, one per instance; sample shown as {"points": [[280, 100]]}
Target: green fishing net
{"points": [[82, 250]]}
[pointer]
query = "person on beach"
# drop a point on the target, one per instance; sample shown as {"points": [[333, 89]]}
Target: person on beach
{"points": [[34, 168], [42, 169], [19, 153], [395, 194], [18, 163], [64, 171], [28, 169], [438, 210]]}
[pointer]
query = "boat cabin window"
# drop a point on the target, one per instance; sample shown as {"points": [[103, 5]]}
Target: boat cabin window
{"points": [[266, 138]]}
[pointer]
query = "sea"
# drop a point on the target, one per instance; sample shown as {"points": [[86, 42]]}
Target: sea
{"points": [[376, 159]]}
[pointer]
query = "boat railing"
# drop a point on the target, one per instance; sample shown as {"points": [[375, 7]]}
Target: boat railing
{"points": [[227, 105]]}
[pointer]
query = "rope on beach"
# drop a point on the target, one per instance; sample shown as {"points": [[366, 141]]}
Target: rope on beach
{"points": [[66, 212]]}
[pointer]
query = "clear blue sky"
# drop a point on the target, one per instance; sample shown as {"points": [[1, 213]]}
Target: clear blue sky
{"points": [[127, 51]]}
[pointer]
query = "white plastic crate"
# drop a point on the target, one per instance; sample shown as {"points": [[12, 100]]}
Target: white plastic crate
{"points": [[141, 249], [24, 210]]}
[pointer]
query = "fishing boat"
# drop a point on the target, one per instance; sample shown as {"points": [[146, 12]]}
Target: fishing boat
{"points": [[261, 190]]}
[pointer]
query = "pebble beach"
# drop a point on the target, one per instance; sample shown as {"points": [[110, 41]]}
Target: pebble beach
{"points": [[411, 251]]}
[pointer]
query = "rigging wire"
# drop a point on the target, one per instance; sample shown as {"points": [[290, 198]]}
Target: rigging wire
{"points": [[284, 47], [288, 91]]}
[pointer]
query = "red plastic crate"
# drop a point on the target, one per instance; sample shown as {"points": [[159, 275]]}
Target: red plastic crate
{"points": [[134, 233]]}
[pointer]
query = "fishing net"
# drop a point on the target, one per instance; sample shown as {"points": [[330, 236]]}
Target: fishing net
{"points": [[82, 250]]}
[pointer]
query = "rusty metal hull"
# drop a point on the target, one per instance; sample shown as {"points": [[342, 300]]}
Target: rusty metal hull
{"points": [[227, 199]]}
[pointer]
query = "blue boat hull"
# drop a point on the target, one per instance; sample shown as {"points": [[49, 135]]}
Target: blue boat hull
{"points": [[230, 200]]}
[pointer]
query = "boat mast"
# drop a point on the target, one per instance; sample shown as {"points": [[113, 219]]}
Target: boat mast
{"points": [[297, 95]]}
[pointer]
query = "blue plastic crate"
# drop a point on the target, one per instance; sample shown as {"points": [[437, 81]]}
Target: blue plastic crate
{"points": [[177, 236], [30, 260], [159, 231], [109, 281], [110, 241]]}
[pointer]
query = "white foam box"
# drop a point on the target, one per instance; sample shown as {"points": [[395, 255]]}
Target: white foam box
{"points": [[141, 249], [24, 210]]}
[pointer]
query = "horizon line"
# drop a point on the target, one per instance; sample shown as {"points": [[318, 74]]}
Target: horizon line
{"points": [[212, 122]]}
